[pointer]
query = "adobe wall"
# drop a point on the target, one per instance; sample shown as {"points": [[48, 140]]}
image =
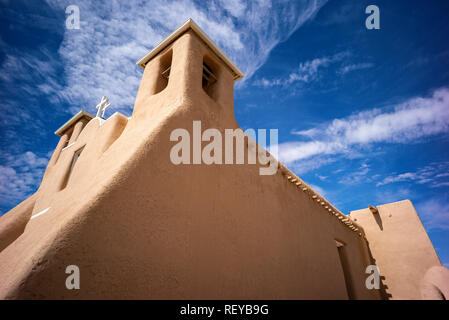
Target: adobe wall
{"points": [[14, 222], [400, 246], [139, 226]]}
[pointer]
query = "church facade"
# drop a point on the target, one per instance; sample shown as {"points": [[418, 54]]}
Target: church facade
{"points": [[135, 225]]}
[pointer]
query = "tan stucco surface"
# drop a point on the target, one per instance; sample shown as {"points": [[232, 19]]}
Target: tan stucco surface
{"points": [[400, 246], [13, 223], [138, 226]]}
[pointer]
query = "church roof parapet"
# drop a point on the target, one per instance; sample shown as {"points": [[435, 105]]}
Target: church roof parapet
{"points": [[190, 24], [326, 205], [82, 113]]}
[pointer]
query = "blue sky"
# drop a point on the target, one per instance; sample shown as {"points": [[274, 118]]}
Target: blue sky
{"points": [[363, 115]]}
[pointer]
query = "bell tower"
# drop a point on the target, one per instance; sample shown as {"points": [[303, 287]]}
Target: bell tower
{"points": [[187, 66]]}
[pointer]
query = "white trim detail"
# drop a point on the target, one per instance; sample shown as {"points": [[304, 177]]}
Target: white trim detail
{"points": [[72, 120], [40, 213], [68, 146], [102, 120]]}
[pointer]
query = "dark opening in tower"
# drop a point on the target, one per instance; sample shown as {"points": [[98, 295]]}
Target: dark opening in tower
{"points": [[164, 72], [209, 79], [66, 178]]}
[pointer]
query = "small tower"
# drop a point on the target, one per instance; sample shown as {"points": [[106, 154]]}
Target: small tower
{"points": [[70, 131], [186, 66]]}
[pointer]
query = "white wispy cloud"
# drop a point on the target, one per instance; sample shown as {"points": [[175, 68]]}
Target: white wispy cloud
{"points": [[414, 119], [235, 7], [434, 214], [19, 176], [433, 174], [22, 74], [306, 72], [99, 59], [31, 71], [357, 176], [398, 178], [353, 67]]}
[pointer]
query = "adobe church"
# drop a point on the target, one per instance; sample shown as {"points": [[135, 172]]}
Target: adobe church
{"points": [[137, 226]]}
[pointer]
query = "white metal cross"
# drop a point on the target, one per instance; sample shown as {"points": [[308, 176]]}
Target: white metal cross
{"points": [[102, 106]]}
